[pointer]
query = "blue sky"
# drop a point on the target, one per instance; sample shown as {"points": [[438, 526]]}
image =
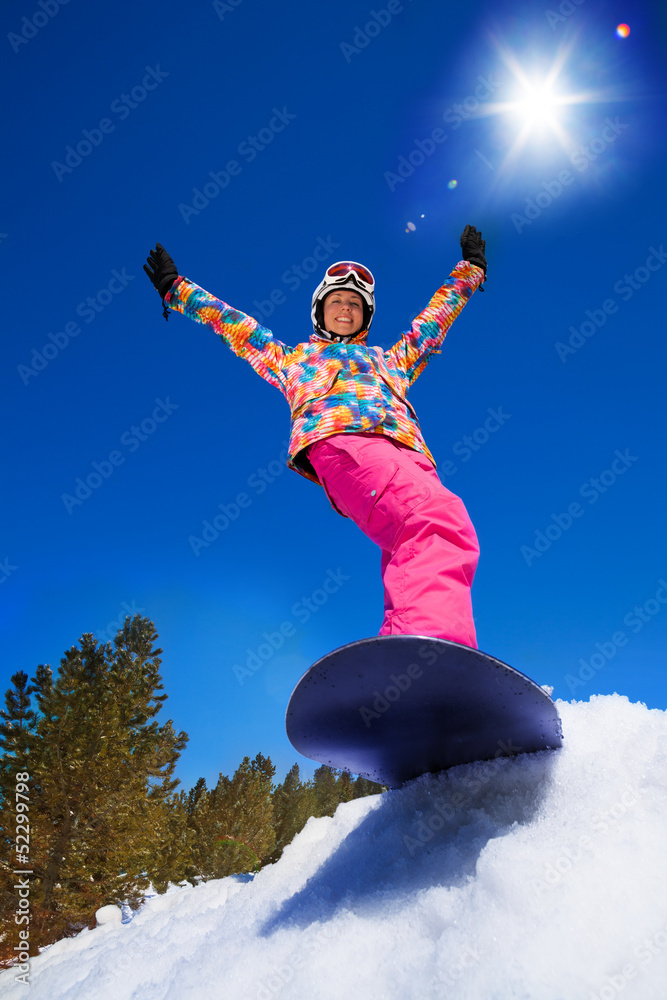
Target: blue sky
{"points": [[308, 116]]}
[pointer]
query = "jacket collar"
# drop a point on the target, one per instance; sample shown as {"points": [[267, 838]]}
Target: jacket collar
{"points": [[334, 338]]}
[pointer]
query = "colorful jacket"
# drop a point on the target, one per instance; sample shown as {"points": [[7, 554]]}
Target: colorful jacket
{"points": [[335, 388]]}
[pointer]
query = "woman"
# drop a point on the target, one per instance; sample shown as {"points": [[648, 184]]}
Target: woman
{"points": [[355, 433]]}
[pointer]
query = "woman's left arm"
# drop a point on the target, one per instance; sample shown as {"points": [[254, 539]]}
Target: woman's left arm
{"points": [[413, 351]]}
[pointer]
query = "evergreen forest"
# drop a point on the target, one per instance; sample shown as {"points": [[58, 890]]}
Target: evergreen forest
{"points": [[90, 810]]}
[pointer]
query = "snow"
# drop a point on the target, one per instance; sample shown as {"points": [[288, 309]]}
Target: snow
{"points": [[540, 877], [110, 914]]}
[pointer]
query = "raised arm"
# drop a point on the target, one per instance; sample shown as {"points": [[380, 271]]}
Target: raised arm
{"points": [[242, 334], [412, 352]]}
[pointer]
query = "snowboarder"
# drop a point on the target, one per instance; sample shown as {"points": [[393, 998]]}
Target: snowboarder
{"points": [[354, 432]]}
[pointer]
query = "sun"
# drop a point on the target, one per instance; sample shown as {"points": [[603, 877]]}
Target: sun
{"points": [[538, 105], [541, 100], [538, 99]]}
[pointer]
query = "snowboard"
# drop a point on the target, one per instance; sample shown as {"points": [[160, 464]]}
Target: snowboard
{"points": [[394, 707]]}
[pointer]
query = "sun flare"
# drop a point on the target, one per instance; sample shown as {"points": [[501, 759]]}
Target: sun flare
{"points": [[539, 104]]}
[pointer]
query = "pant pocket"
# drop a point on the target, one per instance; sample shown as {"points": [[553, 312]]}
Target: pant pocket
{"points": [[393, 504], [335, 467]]}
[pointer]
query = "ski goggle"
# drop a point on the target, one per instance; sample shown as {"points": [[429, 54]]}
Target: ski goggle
{"points": [[349, 268]]}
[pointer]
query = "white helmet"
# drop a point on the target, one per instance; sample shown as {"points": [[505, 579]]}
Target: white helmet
{"points": [[344, 274]]}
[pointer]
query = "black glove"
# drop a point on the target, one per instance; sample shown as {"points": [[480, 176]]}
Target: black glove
{"points": [[473, 247], [162, 271]]}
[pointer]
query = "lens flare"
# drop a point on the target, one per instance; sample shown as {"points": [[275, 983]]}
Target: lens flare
{"points": [[540, 107], [623, 30], [452, 184], [410, 227]]}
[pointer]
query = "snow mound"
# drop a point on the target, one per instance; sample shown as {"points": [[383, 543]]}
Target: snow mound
{"points": [[542, 877], [110, 914]]}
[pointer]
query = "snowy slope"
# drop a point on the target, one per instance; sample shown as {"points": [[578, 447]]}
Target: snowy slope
{"points": [[546, 881]]}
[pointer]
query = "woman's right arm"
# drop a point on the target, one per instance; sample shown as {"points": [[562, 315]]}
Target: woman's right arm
{"points": [[242, 334]]}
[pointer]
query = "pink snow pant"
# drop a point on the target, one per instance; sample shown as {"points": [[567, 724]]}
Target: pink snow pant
{"points": [[429, 546]]}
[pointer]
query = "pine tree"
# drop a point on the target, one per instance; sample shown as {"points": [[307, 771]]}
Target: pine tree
{"points": [[194, 795], [16, 731], [100, 776], [170, 855], [16, 739], [233, 823], [327, 793], [364, 786], [293, 805], [264, 770], [345, 787], [333, 787]]}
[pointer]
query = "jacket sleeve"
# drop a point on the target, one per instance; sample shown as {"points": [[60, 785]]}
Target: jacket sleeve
{"points": [[243, 334], [412, 352]]}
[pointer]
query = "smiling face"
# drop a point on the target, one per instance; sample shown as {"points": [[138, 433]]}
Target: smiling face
{"points": [[343, 312]]}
